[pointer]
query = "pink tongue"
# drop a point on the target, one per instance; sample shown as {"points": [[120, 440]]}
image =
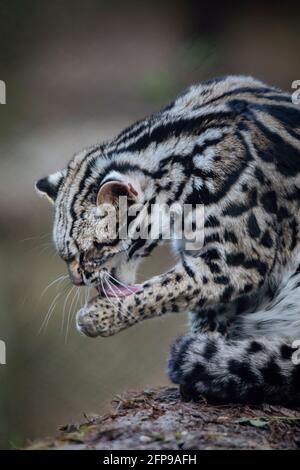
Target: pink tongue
{"points": [[121, 291]]}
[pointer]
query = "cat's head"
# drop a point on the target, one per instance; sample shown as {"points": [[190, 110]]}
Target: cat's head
{"points": [[88, 217]]}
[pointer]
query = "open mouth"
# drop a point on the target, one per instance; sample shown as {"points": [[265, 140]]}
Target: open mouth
{"points": [[116, 288]]}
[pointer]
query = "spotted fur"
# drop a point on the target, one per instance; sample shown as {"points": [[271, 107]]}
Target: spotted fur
{"points": [[232, 144]]}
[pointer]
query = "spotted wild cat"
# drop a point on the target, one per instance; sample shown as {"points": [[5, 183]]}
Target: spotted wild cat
{"points": [[232, 144]]}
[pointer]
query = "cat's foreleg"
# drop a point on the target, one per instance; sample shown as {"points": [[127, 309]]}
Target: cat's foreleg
{"points": [[191, 284]]}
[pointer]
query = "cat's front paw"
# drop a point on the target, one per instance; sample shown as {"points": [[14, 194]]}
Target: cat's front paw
{"points": [[99, 318]]}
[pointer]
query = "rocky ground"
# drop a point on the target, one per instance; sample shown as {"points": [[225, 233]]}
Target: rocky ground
{"points": [[158, 419]]}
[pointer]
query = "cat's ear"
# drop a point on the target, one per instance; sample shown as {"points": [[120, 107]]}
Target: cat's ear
{"points": [[110, 192], [49, 185]]}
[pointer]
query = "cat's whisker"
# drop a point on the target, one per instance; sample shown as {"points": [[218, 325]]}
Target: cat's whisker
{"points": [[87, 295], [69, 316], [49, 312], [80, 299], [54, 254], [77, 303], [46, 316], [38, 237], [109, 300], [58, 280], [64, 307], [120, 283], [43, 247], [115, 295]]}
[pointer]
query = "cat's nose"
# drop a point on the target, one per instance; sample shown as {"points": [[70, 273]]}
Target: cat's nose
{"points": [[75, 273]]}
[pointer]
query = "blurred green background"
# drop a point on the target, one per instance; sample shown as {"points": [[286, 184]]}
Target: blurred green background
{"points": [[77, 73]]}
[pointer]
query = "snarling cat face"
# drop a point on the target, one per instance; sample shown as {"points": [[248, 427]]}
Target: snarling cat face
{"points": [[88, 218]]}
